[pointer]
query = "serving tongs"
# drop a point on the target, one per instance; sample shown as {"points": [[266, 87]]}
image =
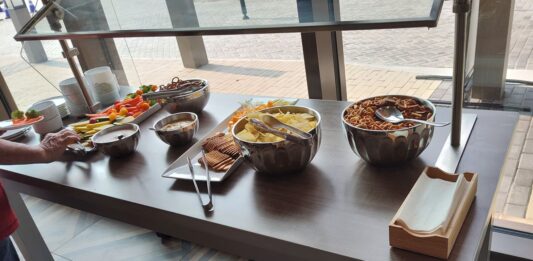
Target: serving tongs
{"points": [[263, 127], [171, 93], [209, 205]]}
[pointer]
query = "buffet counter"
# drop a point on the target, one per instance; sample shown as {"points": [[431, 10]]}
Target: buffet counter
{"points": [[339, 207]]}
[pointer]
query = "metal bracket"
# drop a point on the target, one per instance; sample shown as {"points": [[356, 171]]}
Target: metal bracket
{"points": [[71, 52]]}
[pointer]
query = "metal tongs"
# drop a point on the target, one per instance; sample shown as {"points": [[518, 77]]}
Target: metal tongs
{"points": [[169, 94], [209, 205], [265, 126]]}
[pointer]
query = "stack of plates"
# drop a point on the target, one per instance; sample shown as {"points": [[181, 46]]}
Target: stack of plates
{"points": [[15, 134], [61, 105]]}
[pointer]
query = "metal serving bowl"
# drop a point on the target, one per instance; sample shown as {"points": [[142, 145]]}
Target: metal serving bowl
{"points": [[113, 142], [193, 102], [284, 156], [180, 136], [390, 147]]}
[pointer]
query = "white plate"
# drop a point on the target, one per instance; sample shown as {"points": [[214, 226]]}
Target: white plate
{"points": [[15, 134], [8, 124]]}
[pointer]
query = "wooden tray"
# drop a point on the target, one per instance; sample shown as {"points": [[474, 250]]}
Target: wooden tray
{"points": [[436, 245]]}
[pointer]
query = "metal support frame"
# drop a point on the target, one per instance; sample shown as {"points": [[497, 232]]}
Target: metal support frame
{"points": [[69, 54], [460, 8], [27, 237], [323, 52]]}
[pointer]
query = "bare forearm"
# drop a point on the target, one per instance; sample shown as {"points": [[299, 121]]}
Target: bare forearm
{"points": [[16, 153]]}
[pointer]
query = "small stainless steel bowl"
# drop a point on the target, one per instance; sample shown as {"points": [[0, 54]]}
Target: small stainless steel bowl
{"points": [[390, 147], [108, 141], [280, 157], [193, 102], [181, 136]]}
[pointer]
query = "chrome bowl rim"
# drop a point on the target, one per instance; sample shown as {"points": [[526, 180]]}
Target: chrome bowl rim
{"points": [[135, 127], [432, 118], [186, 96], [316, 114], [194, 116]]}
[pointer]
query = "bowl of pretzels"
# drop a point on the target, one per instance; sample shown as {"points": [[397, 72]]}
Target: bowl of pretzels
{"points": [[383, 143], [182, 95]]}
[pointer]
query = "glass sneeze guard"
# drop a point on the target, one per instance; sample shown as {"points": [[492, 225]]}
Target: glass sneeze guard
{"points": [[82, 19]]}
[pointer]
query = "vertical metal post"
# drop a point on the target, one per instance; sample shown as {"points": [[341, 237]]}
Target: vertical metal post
{"points": [[67, 52], [460, 8], [323, 51], [244, 10]]}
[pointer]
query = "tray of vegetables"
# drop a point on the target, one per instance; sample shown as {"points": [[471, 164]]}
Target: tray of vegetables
{"points": [[132, 109], [20, 119]]}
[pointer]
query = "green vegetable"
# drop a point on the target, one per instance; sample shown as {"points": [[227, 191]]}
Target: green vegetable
{"points": [[131, 95], [17, 115], [31, 114], [152, 102], [146, 88]]}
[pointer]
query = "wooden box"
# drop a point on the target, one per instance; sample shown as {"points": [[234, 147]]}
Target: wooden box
{"points": [[434, 244]]}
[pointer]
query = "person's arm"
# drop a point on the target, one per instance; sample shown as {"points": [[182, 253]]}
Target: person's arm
{"points": [[51, 148]]}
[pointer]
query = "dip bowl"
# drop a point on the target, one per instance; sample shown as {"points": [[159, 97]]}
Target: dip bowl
{"points": [[118, 140], [181, 136]]}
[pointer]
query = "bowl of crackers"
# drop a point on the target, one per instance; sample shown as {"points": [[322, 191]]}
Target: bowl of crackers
{"points": [[384, 143], [273, 154]]}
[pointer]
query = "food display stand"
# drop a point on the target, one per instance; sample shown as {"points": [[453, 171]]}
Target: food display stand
{"points": [[335, 209]]}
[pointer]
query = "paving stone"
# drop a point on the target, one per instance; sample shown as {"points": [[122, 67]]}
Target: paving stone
{"points": [[499, 201], [522, 125], [509, 167], [530, 134], [523, 177], [505, 184], [526, 161], [519, 195], [514, 152], [518, 138], [515, 210], [528, 146]]}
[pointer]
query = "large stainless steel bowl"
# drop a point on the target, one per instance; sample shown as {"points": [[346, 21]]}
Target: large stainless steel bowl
{"points": [[284, 156], [193, 102], [180, 136], [390, 147], [118, 140]]}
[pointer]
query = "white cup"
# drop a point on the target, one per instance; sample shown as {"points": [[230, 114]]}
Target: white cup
{"points": [[104, 85], [47, 126], [47, 108], [74, 98], [52, 119]]}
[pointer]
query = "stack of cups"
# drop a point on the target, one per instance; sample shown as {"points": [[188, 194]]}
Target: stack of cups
{"points": [[104, 85], [76, 103], [52, 119]]}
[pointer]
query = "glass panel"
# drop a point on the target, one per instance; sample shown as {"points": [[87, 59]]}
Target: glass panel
{"points": [[82, 16]]}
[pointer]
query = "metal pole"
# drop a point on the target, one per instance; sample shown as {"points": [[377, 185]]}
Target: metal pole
{"points": [[69, 55], [460, 8], [244, 10]]}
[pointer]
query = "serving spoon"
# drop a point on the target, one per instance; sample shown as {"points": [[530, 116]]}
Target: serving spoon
{"points": [[393, 115]]}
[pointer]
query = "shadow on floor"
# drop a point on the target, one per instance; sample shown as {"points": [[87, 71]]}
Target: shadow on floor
{"points": [[242, 70]]}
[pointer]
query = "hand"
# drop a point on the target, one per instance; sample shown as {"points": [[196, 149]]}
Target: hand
{"points": [[54, 144]]}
